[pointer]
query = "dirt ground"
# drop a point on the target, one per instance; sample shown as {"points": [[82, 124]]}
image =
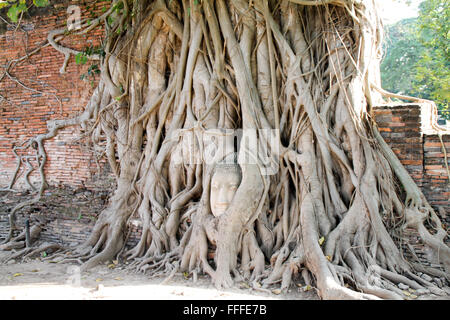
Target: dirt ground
{"points": [[44, 280], [37, 279], [57, 281]]}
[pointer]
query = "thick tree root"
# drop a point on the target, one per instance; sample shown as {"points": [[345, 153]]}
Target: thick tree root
{"points": [[180, 77]]}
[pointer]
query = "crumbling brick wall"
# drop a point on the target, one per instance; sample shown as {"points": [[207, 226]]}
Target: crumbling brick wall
{"points": [[36, 92], [420, 150], [435, 182]]}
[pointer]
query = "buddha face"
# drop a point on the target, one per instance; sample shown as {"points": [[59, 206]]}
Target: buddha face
{"points": [[224, 184]]}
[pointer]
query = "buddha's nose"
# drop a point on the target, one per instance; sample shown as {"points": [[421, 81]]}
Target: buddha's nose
{"points": [[222, 199]]}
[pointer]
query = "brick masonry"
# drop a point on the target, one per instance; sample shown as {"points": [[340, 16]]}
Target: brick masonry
{"points": [[50, 95], [405, 129], [24, 113]]}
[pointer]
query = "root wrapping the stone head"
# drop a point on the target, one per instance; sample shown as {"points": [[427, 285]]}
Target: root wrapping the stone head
{"points": [[183, 78]]}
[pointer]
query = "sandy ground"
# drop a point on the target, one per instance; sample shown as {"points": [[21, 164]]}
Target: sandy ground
{"points": [[36, 279], [44, 280], [56, 281]]}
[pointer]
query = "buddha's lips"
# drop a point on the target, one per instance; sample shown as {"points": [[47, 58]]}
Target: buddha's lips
{"points": [[221, 206]]}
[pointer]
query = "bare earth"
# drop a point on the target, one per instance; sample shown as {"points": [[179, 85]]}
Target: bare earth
{"points": [[57, 281], [36, 279], [44, 280]]}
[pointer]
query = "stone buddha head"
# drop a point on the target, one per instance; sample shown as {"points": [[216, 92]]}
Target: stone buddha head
{"points": [[225, 181]]}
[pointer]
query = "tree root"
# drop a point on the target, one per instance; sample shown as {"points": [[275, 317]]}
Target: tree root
{"points": [[331, 215]]}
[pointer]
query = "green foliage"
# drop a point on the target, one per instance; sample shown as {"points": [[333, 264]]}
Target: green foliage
{"points": [[417, 55], [403, 52], [18, 7], [15, 10], [433, 71], [41, 3], [81, 58], [94, 69]]}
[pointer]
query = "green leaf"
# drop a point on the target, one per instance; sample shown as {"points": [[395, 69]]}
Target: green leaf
{"points": [[81, 58], [3, 4], [22, 7], [110, 20], [321, 241], [78, 58], [13, 13], [41, 3]]}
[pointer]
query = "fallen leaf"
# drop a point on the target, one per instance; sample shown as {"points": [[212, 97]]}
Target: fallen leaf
{"points": [[321, 240], [307, 288], [17, 274], [98, 279], [276, 291], [406, 293], [328, 258], [116, 262], [35, 270], [111, 266], [118, 278]]}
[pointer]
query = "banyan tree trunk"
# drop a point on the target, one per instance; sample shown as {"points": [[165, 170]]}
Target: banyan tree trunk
{"points": [[321, 195]]}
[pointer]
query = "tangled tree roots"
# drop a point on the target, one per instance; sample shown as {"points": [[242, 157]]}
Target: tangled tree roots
{"points": [[331, 214]]}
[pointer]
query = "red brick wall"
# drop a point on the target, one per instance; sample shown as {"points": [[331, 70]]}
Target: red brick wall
{"points": [[436, 183], [400, 128], [421, 153], [24, 113]]}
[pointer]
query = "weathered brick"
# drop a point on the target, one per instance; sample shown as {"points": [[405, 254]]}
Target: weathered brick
{"points": [[29, 111], [421, 154]]}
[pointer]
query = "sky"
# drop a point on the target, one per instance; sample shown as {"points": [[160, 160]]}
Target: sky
{"points": [[393, 11]]}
